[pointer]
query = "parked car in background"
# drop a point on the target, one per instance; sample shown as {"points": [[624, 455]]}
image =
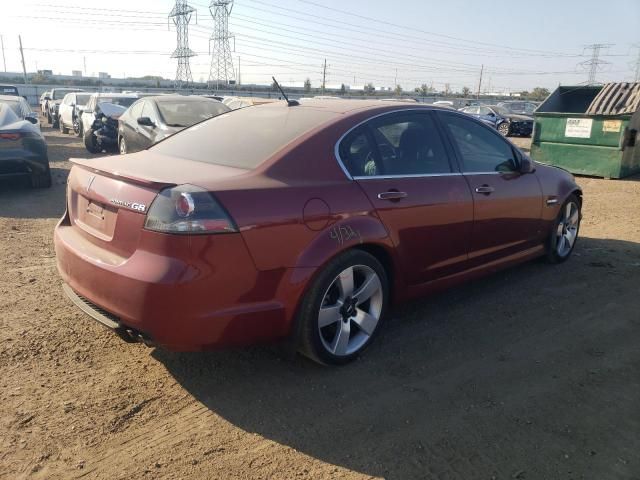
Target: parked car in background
{"points": [[9, 90], [68, 117], [152, 119], [235, 103], [99, 119], [303, 222], [23, 151], [503, 120], [522, 108], [44, 102], [21, 108], [55, 99], [444, 103]]}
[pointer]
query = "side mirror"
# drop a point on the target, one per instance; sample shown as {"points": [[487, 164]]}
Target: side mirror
{"points": [[73, 105], [80, 111], [47, 98], [491, 114], [146, 122], [526, 165], [32, 119]]}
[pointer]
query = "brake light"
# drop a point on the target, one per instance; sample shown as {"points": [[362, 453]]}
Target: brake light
{"points": [[10, 136], [188, 210]]}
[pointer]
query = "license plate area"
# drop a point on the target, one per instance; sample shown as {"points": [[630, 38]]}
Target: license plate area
{"points": [[96, 218]]}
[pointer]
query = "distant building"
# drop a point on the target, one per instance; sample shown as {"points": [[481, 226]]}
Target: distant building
{"points": [[76, 73], [103, 75], [46, 73]]}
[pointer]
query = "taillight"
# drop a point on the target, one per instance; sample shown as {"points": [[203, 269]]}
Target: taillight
{"points": [[10, 136], [188, 210]]}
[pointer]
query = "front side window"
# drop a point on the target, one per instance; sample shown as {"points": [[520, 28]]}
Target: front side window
{"points": [[149, 111], [480, 149], [135, 111]]}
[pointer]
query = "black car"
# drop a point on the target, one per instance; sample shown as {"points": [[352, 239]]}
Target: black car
{"points": [[23, 151], [506, 122], [152, 119]]}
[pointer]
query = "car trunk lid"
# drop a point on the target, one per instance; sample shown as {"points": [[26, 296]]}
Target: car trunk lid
{"points": [[108, 197]]}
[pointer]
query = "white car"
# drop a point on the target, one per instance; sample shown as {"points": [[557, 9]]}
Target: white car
{"points": [[44, 102], [68, 117]]}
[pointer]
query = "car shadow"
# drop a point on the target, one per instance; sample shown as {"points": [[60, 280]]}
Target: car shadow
{"points": [[18, 200], [478, 382]]}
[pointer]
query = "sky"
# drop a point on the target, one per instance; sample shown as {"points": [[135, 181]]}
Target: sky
{"points": [[517, 45]]}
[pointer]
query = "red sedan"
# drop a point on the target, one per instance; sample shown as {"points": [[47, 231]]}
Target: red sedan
{"points": [[303, 221]]}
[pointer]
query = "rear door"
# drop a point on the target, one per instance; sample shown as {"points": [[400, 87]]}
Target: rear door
{"points": [[401, 163], [507, 203], [129, 127]]}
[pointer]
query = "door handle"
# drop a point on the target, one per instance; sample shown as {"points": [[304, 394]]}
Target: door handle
{"points": [[485, 190], [392, 195]]}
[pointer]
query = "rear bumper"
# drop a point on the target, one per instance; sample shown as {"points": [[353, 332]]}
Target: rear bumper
{"points": [[207, 295]]}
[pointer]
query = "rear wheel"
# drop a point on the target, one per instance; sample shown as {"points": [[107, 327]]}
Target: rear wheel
{"points": [[503, 128], [564, 234], [343, 310], [91, 143], [49, 118], [63, 129], [41, 180], [79, 130]]}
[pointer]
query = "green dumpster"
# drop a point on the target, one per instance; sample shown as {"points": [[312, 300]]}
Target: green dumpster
{"points": [[590, 130]]}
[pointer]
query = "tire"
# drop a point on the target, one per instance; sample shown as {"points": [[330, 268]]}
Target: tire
{"points": [[49, 118], [90, 142], [504, 129], [564, 234], [55, 121], [41, 180], [63, 129], [80, 132], [122, 146], [348, 324]]}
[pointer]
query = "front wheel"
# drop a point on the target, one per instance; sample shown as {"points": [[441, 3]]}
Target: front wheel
{"points": [[123, 146], [503, 128], [79, 131], [343, 310], [564, 234], [91, 143]]}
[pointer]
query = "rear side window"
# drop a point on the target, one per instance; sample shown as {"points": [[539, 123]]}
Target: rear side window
{"points": [[243, 138], [482, 151]]}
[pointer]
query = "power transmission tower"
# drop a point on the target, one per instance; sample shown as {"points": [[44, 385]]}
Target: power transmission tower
{"points": [[637, 67], [181, 16], [594, 63], [480, 81], [221, 61]]}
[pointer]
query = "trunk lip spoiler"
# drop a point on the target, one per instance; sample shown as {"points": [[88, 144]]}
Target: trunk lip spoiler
{"points": [[145, 182]]}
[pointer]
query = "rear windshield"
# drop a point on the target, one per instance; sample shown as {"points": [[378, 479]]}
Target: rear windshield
{"points": [[82, 98], [243, 138], [8, 90], [15, 106], [177, 113], [122, 101]]}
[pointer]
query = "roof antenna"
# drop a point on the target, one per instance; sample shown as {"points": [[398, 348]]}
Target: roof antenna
{"points": [[291, 103]]}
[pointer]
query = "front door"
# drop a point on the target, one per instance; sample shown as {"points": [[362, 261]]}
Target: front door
{"points": [[507, 203], [400, 162]]}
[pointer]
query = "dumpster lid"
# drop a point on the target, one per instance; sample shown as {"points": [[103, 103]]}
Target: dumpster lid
{"points": [[616, 99]]}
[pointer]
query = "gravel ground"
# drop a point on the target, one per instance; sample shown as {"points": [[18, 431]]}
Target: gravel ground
{"points": [[533, 373]]}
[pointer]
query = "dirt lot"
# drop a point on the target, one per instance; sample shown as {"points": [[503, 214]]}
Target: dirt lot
{"points": [[530, 374]]}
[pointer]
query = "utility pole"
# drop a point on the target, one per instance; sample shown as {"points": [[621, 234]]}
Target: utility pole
{"points": [[593, 64], [24, 67], [324, 75], [480, 82], [395, 80], [4, 60]]}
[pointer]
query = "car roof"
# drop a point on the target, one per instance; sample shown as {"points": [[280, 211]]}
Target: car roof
{"points": [[186, 98], [114, 95]]}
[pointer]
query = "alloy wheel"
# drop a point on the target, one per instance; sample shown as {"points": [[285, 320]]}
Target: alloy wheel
{"points": [[123, 146], [567, 230], [503, 128], [350, 310]]}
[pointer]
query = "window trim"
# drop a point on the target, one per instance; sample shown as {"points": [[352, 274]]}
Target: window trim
{"points": [[428, 110]]}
